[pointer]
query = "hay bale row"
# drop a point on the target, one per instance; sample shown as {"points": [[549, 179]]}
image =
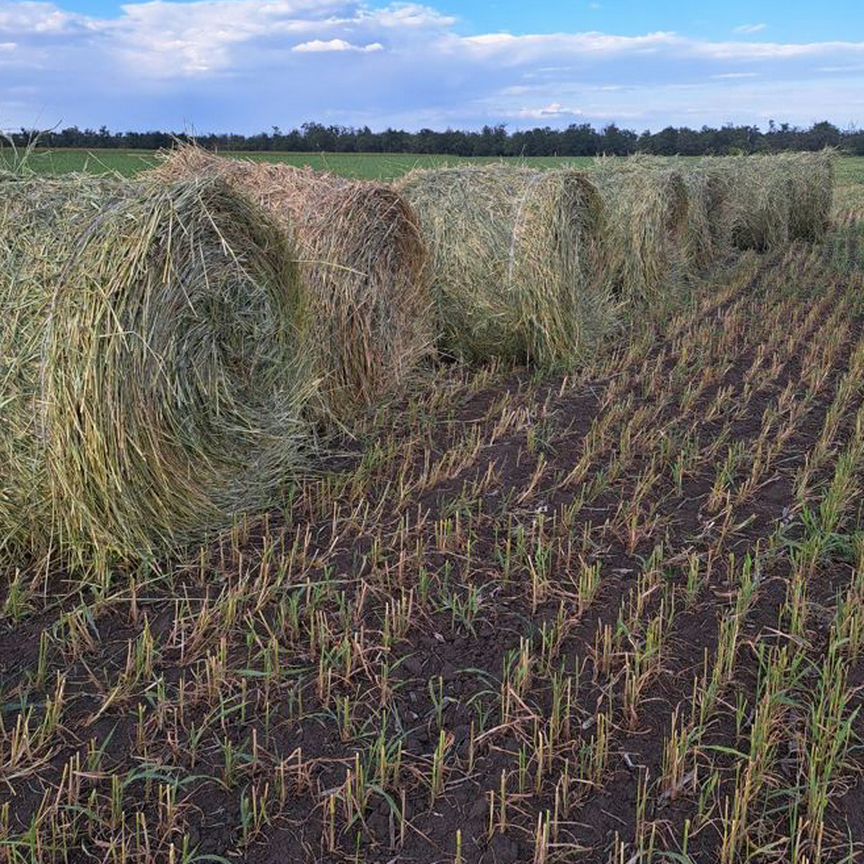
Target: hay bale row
{"points": [[523, 265], [152, 374], [362, 261], [529, 265], [767, 201], [165, 341], [515, 260]]}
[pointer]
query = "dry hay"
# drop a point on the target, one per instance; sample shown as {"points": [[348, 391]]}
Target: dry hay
{"points": [[363, 263], [149, 375], [516, 261], [650, 235], [707, 235], [761, 202], [811, 177], [757, 200]]}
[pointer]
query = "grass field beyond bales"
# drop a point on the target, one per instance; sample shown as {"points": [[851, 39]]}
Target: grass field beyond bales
{"points": [[359, 166], [597, 606]]}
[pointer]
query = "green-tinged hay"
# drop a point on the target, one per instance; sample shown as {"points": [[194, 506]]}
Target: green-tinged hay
{"points": [[363, 264], [758, 200], [811, 179], [516, 261], [707, 227], [150, 373], [649, 238]]}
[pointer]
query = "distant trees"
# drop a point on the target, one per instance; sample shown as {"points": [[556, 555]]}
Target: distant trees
{"points": [[575, 140]]}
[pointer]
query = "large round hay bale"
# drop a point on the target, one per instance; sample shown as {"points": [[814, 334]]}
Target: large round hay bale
{"points": [[758, 200], [811, 181], [707, 235], [150, 383], [773, 199], [646, 205], [363, 263], [516, 261]]}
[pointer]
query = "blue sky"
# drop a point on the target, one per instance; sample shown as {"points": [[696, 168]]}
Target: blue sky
{"points": [[783, 19], [244, 65]]}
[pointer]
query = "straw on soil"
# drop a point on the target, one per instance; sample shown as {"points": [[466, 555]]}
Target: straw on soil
{"points": [[516, 261], [150, 381], [650, 236], [362, 261]]}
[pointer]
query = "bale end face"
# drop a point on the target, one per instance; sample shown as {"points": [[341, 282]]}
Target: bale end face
{"points": [[363, 264], [515, 258], [157, 352]]}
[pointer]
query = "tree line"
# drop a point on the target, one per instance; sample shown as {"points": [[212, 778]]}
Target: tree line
{"points": [[574, 140]]}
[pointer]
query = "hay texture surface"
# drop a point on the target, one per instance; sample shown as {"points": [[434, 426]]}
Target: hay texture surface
{"points": [[811, 178], [149, 373], [516, 261], [758, 195], [770, 200], [362, 261], [707, 228], [650, 237]]}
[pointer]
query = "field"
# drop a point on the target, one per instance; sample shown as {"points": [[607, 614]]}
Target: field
{"points": [[610, 616], [365, 166], [361, 166]]}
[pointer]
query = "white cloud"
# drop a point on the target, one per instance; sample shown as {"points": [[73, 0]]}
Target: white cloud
{"points": [[235, 64], [732, 75], [849, 67], [320, 46], [521, 49], [36, 18], [749, 28], [412, 15], [553, 110]]}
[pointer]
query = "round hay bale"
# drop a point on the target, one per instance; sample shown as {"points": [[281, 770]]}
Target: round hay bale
{"points": [[758, 200], [647, 210], [151, 381], [707, 229], [811, 180], [516, 261], [363, 263]]}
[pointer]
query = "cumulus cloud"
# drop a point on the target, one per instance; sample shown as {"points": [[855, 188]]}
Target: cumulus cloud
{"points": [[322, 46], [247, 64], [38, 19]]}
